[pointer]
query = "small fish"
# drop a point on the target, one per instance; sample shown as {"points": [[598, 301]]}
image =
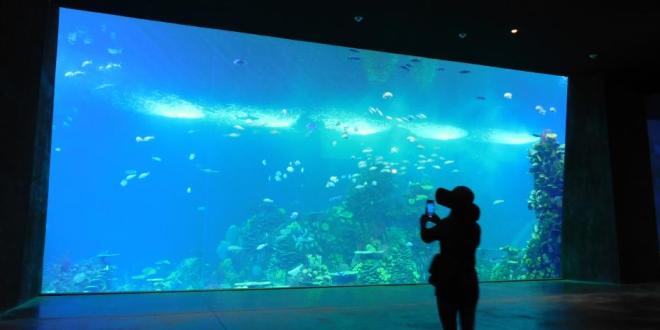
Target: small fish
{"points": [[329, 184], [353, 50], [233, 135], [405, 68], [373, 168], [344, 136], [191, 156], [354, 58], [239, 127], [123, 182], [71, 74], [411, 139], [393, 171], [552, 109], [191, 131], [234, 248], [86, 63], [268, 200], [278, 178], [114, 51], [294, 215], [415, 60], [440, 69], [58, 149], [508, 95], [464, 71], [284, 176], [297, 163], [189, 190], [362, 164], [261, 246], [289, 169], [387, 95], [498, 201], [210, 171], [540, 110], [143, 175], [334, 143], [238, 61], [388, 117], [409, 244], [455, 170], [131, 176], [437, 167], [421, 116], [130, 171], [447, 162], [367, 150], [374, 183], [359, 186], [302, 170], [482, 98], [157, 159], [334, 179], [421, 168]]}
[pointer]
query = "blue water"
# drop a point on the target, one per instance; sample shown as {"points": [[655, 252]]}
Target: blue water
{"points": [[146, 75]]}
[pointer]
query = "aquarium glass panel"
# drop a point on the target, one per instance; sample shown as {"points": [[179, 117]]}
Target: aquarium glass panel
{"points": [[188, 158]]}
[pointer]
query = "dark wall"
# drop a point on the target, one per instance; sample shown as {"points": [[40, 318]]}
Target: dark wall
{"points": [[609, 229], [588, 189], [24, 112]]}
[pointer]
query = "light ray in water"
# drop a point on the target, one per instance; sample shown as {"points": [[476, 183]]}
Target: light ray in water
{"points": [[506, 137]]}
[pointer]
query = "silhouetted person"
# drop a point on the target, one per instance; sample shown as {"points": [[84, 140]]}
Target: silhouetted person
{"points": [[453, 271]]}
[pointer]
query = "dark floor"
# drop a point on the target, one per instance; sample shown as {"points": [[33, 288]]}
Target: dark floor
{"points": [[512, 305]]}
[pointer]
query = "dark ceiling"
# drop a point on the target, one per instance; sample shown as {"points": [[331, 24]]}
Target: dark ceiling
{"points": [[550, 39]]}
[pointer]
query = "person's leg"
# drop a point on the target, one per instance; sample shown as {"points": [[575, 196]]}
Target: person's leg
{"points": [[447, 312], [466, 313]]}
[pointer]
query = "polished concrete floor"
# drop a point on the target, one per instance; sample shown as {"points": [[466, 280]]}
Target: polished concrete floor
{"points": [[505, 305]]}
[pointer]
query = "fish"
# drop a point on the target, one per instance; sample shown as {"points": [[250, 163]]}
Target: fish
{"points": [[335, 198], [393, 171], [238, 61], [388, 117], [334, 143], [455, 170], [374, 183], [344, 136], [498, 201], [123, 183], [278, 173], [508, 95], [278, 178], [189, 190], [421, 168], [191, 156], [114, 51], [284, 112], [387, 95], [284, 175], [334, 179], [373, 168], [234, 248], [289, 169], [447, 162], [354, 58], [239, 127], [295, 271], [353, 50], [297, 163], [552, 109], [143, 175], [261, 246], [263, 162], [411, 139], [437, 167], [131, 176], [157, 159], [268, 200], [233, 135], [70, 74], [362, 164], [405, 68], [210, 171], [482, 98], [130, 171], [367, 150], [409, 244], [360, 186], [540, 110], [440, 69], [58, 149], [86, 63], [415, 60], [464, 71], [144, 139], [302, 170], [421, 116], [329, 184], [294, 215]]}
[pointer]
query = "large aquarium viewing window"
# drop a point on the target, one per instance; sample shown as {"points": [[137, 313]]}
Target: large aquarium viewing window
{"points": [[187, 158]]}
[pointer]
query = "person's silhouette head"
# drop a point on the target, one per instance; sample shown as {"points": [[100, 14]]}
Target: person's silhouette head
{"points": [[462, 196]]}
